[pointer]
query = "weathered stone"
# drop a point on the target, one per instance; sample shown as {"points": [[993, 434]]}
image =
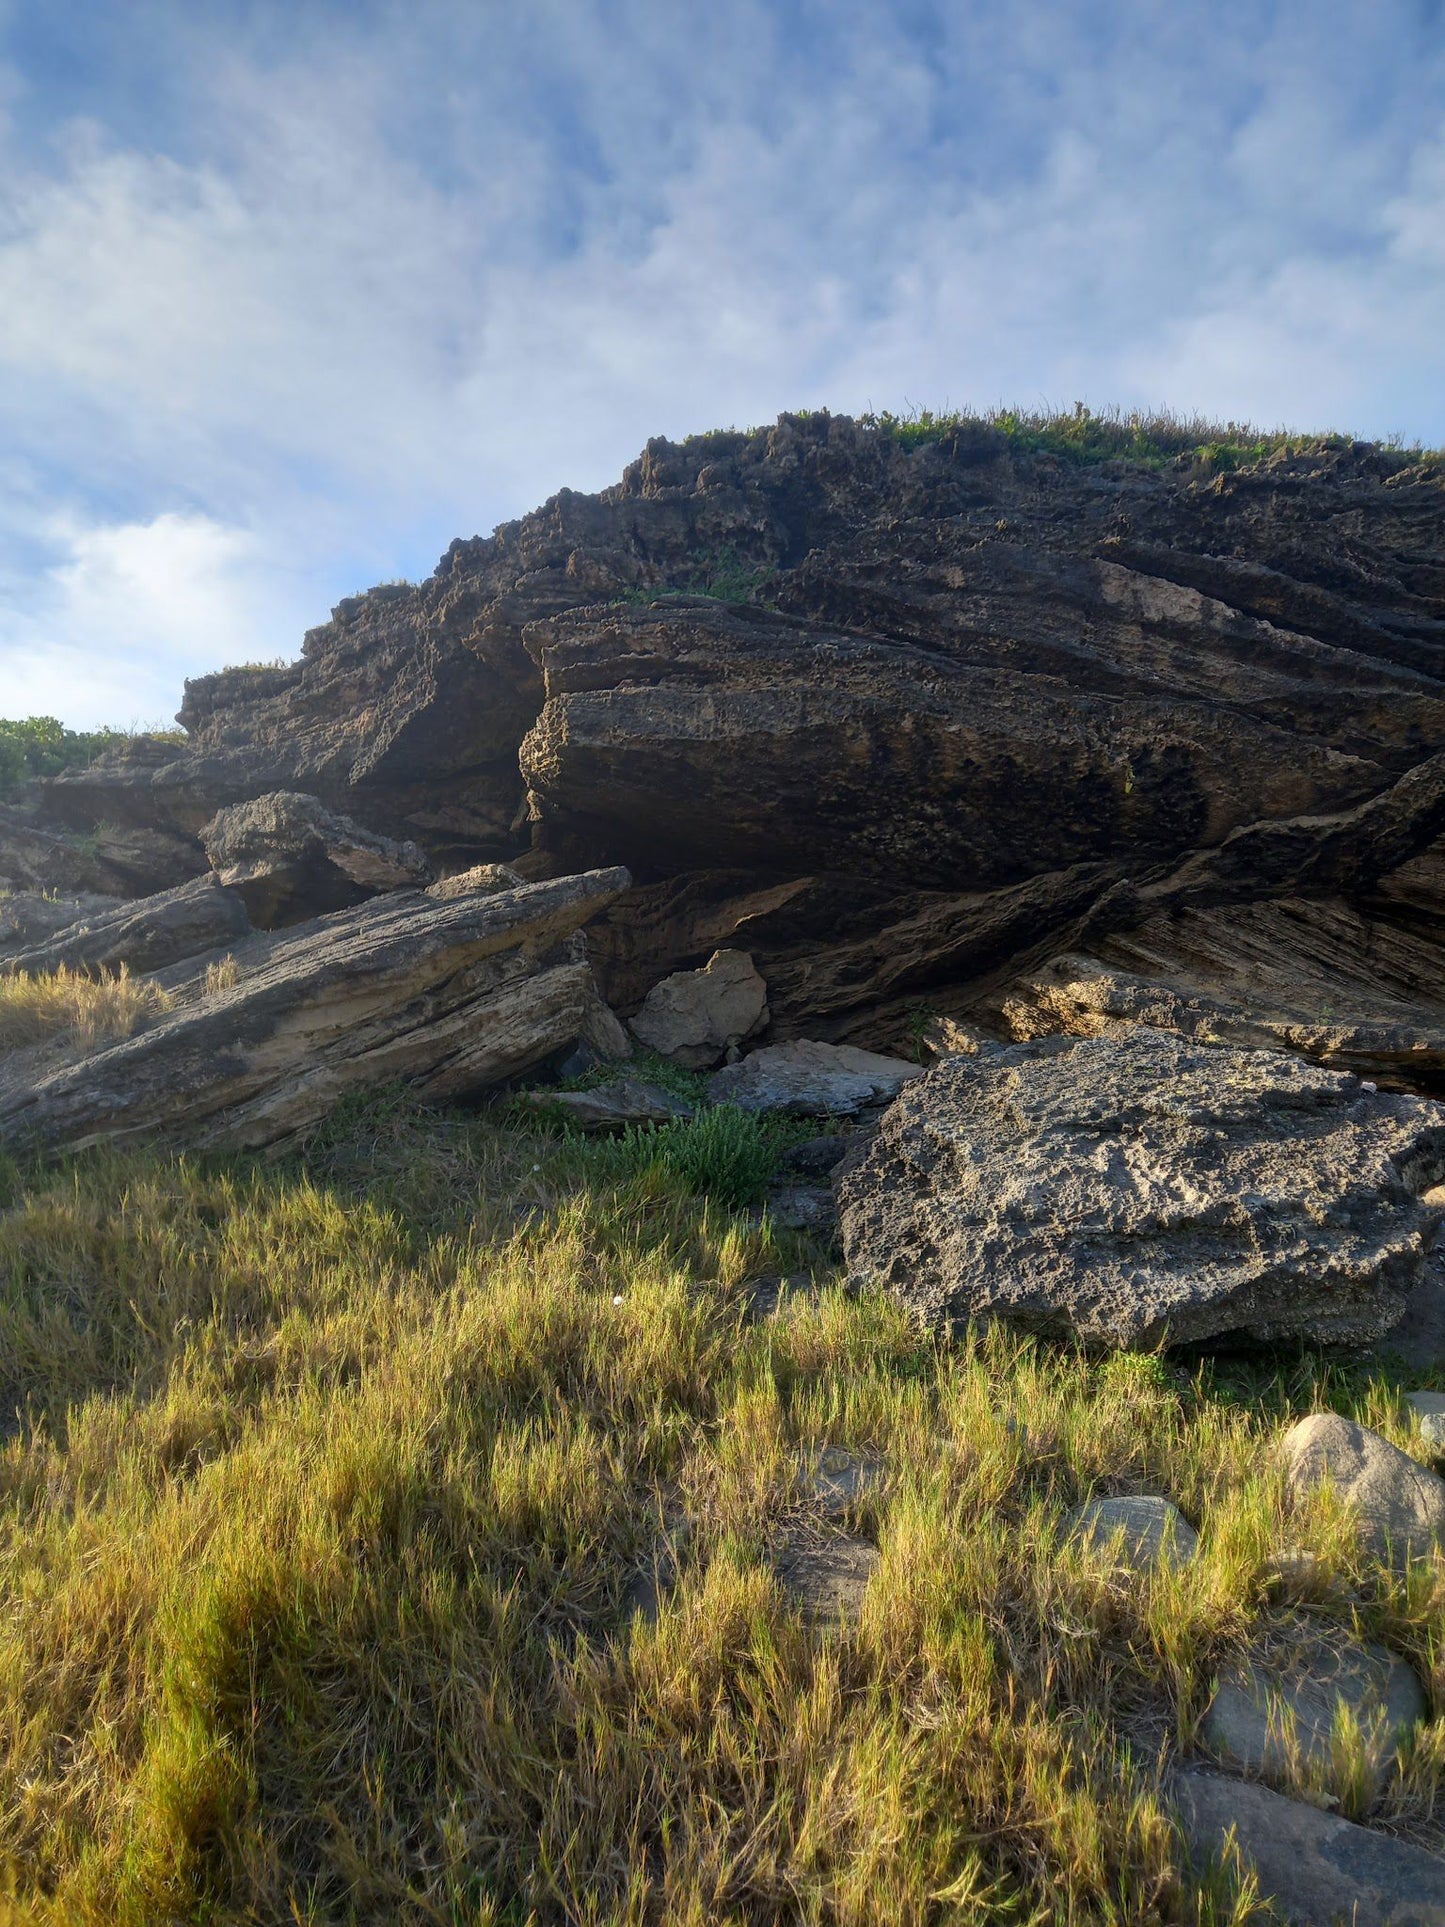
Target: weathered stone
{"points": [[811, 1080], [611, 1107], [1399, 1506], [1429, 1411], [1276, 1714], [695, 1017], [1319, 1870], [145, 934], [1147, 1531], [481, 878], [826, 1575], [451, 997], [289, 857], [1141, 1189]]}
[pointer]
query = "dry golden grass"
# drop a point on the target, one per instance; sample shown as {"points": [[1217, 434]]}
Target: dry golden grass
{"points": [[84, 1010], [221, 975], [320, 1524]]}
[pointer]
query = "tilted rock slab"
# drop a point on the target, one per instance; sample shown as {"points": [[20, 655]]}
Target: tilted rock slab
{"points": [[451, 996], [1141, 1189], [290, 858], [147, 934], [806, 1079]]}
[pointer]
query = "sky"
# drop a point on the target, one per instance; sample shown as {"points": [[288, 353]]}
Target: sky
{"points": [[293, 294]]}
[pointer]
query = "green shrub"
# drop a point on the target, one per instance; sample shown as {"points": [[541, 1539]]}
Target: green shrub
{"points": [[33, 746], [722, 1153]]}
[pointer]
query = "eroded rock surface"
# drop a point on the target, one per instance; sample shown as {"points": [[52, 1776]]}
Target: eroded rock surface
{"points": [[1141, 1189], [288, 858]]}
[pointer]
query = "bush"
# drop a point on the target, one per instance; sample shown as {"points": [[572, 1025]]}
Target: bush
{"points": [[67, 1003], [42, 746]]}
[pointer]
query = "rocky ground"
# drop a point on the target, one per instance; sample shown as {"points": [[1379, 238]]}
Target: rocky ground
{"points": [[1019, 877]]}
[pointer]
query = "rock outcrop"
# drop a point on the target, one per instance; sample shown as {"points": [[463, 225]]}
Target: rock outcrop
{"points": [[905, 722], [288, 858], [453, 996], [1141, 1189]]}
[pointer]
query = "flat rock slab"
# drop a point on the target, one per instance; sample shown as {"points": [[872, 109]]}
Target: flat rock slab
{"points": [[826, 1576], [1398, 1504], [611, 1107], [1429, 1411], [1277, 1714], [694, 1017], [1319, 1871], [1142, 1189], [806, 1079], [1148, 1531]]}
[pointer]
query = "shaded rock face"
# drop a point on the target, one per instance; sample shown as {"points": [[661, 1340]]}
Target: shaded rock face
{"points": [[1141, 1189], [288, 857], [978, 708]]}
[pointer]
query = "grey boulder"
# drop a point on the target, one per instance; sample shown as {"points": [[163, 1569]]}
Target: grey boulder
{"points": [[1276, 1714], [612, 1106], [1146, 1530], [805, 1079], [1319, 1870], [1398, 1505], [1141, 1189]]}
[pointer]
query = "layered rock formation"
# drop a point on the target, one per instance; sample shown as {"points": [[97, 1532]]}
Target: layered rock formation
{"points": [[939, 730]]}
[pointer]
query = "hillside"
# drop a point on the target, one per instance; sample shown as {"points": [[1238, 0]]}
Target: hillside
{"points": [[731, 1216]]}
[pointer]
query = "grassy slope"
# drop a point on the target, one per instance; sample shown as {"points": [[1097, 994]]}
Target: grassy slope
{"points": [[318, 1539]]}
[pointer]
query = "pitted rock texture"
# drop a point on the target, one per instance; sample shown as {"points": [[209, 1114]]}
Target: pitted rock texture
{"points": [[1142, 1189], [288, 858]]}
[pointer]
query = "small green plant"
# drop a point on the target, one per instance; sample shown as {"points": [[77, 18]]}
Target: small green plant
{"points": [[32, 746], [723, 1153]]}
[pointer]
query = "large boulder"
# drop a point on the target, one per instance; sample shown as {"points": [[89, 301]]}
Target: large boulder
{"points": [[453, 997], [1142, 1189], [288, 858], [147, 933]]}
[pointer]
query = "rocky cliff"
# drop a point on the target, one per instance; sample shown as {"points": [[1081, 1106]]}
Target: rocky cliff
{"points": [[944, 724]]}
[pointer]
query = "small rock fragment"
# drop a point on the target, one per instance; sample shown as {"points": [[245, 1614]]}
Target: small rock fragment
{"points": [[1399, 1505], [1429, 1409], [841, 1479], [611, 1107]]}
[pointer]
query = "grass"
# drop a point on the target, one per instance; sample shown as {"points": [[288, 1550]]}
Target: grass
{"points": [[67, 1004], [328, 1486]]}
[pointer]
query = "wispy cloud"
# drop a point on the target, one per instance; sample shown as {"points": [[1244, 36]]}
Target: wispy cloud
{"points": [[288, 297]]}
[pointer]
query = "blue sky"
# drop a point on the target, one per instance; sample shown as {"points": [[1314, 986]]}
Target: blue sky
{"points": [[290, 295]]}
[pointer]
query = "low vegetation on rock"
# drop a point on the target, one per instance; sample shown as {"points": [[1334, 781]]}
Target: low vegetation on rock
{"points": [[82, 1010]]}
